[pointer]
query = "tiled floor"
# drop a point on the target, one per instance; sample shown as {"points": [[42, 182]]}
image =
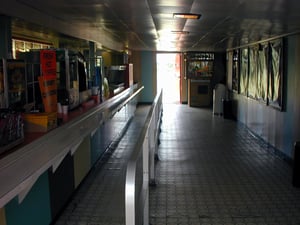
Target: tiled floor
{"points": [[211, 171]]}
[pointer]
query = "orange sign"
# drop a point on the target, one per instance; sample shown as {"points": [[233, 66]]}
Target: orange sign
{"points": [[48, 89], [48, 63]]}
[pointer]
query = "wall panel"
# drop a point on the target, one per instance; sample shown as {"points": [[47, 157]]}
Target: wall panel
{"points": [[82, 161], [148, 72]]}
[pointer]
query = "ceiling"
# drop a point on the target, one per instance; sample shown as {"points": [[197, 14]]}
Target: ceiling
{"points": [[149, 24]]}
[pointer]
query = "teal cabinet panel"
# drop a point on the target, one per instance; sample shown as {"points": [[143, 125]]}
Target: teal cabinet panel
{"points": [[97, 146], [61, 184], [34, 209]]}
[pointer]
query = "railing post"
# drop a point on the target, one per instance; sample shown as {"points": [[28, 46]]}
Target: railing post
{"points": [[130, 195], [144, 153], [146, 178], [152, 151]]}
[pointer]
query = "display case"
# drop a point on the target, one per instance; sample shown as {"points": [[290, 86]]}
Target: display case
{"points": [[199, 72], [116, 78], [67, 77], [199, 65], [33, 71], [14, 94], [12, 100]]}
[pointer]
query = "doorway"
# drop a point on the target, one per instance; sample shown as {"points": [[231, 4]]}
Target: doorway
{"points": [[168, 76]]}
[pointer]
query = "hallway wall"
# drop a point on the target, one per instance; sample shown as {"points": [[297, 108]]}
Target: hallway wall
{"points": [[279, 128], [144, 73]]}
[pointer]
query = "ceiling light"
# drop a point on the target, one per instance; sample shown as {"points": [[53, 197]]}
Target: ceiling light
{"points": [[179, 32], [187, 16]]}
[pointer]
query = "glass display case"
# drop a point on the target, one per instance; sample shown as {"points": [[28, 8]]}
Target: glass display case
{"points": [[199, 64], [14, 80], [67, 78], [33, 71], [12, 99]]}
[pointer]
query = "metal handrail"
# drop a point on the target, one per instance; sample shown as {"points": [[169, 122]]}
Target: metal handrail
{"points": [[140, 168], [49, 150]]}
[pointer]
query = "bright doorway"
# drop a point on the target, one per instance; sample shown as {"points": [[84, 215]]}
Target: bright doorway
{"points": [[168, 76]]}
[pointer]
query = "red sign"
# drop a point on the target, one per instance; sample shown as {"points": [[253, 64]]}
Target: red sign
{"points": [[48, 63]]}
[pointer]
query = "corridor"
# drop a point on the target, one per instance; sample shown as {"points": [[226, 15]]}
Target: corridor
{"points": [[211, 171]]}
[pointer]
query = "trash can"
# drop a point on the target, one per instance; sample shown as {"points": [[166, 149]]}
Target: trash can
{"points": [[219, 94], [227, 109], [296, 165]]}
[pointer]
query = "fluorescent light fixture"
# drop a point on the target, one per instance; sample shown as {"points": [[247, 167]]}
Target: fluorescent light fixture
{"points": [[179, 32], [192, 16]]}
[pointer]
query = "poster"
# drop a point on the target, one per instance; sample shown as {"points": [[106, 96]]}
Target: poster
{"points": [[244, 71], [235, 71], [276, 74], [262, 72], [252, 85]]}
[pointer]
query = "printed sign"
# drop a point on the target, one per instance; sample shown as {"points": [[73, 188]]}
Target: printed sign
{"points": [[48, 89], [48, 63]]}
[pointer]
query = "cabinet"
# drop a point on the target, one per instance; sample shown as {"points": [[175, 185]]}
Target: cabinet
{"points": [[200, 92], [199, 72]]}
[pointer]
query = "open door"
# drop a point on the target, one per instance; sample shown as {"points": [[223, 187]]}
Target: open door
{"points": [[168, 76]]}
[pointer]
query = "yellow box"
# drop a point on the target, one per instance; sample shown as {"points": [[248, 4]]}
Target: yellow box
{"points": [[40, 122]]}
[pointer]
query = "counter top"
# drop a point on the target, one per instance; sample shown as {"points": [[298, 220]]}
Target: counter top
{"points": [[20, 169]]}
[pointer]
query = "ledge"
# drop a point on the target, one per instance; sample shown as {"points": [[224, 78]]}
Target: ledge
{"points": [[20, 169]]}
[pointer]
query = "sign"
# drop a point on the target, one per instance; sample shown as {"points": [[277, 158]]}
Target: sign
{"points": [[48, 63]]}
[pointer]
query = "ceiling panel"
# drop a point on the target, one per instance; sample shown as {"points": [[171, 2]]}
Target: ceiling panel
{"points": [[149, 24]]}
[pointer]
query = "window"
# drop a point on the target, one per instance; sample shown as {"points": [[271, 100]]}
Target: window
{"points": [[25, 46]]}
